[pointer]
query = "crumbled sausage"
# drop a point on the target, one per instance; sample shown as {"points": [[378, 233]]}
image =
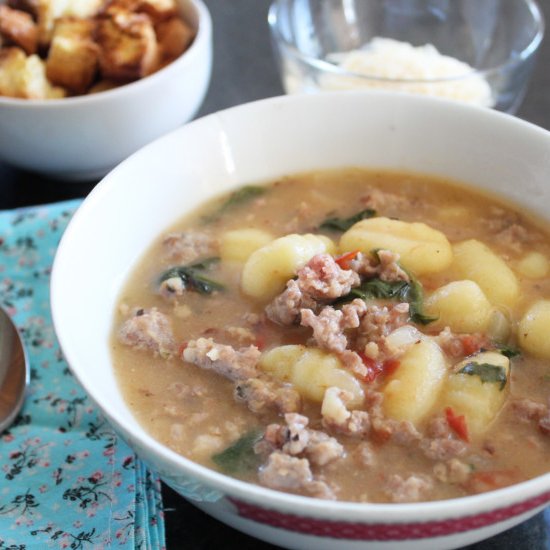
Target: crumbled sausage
{"points": [[384, 265], [261, 395], [443, 448], [188, 246], [452, 471], [529, 410], [410, 489], [379, 321], [285, 472], [336, 416], [328, 328], [285, 308], [148, 330], [320, 280], [171, 288], [323, 279], [297, 439], [225, 360]]}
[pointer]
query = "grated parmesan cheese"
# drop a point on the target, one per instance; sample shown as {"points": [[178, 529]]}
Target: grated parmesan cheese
{"points": [[422, 68]]}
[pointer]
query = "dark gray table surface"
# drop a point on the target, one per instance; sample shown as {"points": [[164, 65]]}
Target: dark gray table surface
{"points": [[244, 70]]}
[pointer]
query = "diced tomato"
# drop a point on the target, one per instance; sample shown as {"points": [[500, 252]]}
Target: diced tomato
{"points": [[375, 368], [344, 260], [390, 366], [260, 341], [472, 343], [480, 482], [457, 424]]}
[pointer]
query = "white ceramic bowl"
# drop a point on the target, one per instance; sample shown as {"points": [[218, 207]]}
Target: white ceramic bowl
{"points": [[263, 141], [83, 137]]}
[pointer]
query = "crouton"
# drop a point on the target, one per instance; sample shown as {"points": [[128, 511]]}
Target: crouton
{"points": [[103, 86], [25, 77], [174, 37], [72, 60], [18, 28], [128, 46], [158, 10], [46, 12]]}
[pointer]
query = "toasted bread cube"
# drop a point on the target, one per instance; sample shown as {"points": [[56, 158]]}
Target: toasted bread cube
{"points": [[25, 77], [12, 65], [17, 27], [174, 37], [103, 86], [46, 12], [73, 56], [159, 10], [82, 9], [128, 46]]}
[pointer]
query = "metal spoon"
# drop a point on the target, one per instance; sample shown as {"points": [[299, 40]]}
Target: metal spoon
{"points": [[14, 371]]}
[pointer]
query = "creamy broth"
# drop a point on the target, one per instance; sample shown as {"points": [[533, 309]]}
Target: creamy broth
{"points": [[196, 407]]}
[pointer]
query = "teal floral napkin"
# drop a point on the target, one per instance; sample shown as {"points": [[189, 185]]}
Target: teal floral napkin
{"points": [[66, 479]]}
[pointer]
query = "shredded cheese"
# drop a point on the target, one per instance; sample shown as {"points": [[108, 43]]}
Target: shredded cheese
{"points": [[402, 66]]}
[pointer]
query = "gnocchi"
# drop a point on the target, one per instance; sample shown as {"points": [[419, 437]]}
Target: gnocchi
{"points": [[534, 265], [421, 248], [460, 305], [533, 333], [238, 245], [312, 371], [267, 270], [480, 394], [474, 260], [412, 391]]}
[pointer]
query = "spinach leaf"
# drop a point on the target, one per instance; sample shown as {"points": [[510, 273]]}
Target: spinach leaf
{"points": [[376, 288], [343, 224], [237, 198], [415, 296], [401, 291], [487, 373], [240, 455], [191, 279], [509, 351]]}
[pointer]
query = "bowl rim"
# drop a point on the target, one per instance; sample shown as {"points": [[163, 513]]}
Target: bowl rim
{"points": [[188, 57], [264, 497], [328, 67]]}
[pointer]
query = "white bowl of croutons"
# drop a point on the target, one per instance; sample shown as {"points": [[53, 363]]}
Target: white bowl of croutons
{"points": [[85, 84]]}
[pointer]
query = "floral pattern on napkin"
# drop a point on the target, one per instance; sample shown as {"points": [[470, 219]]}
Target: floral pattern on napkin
{"points": [[66, 479]]}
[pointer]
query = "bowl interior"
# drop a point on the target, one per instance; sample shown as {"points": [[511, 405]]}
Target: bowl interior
{"points": [[255, 143]]}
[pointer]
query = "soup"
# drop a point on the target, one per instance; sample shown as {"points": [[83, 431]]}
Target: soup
{"points": [[356, 335]]}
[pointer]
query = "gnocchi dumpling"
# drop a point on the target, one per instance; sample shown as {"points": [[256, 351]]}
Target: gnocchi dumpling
{"points": [[238, 245], [533, 333], [476, 261], [412, 391], [476, 389], [534, 265], [267, 270], [312, 371], [421, 248], [460, 305]]}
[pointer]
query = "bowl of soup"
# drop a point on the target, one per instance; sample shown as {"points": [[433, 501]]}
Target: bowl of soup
{"points": [[322, 319]]}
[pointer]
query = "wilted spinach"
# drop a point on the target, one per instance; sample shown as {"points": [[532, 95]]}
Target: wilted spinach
{"points": [[237, 198], [402, 291], [240, 455], [191, 279], [343, 224], [486, 372]]}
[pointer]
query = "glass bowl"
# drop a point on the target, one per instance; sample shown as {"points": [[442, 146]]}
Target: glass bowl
{"points": [[480, 52]]}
